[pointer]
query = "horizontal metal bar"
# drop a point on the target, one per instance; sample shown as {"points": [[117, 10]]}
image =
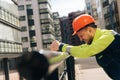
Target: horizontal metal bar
{"points": [[10, 55], [35, 65]]}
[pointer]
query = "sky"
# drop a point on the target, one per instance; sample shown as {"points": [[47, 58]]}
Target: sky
{"points": [[66, 6]]}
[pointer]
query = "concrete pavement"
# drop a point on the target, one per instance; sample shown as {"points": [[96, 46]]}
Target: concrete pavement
{"points": [[13, 76], [87, 69], [90, 74]]}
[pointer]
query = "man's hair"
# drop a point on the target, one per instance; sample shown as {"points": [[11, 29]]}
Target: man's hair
{"points": [[93, 25]]}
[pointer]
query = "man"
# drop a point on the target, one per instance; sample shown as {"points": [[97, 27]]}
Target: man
{"points": [[103, 44]]}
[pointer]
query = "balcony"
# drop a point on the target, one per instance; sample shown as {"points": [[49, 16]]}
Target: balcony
{"points": [[46, 31], [105, 3], [47, 41], [46, 21], [44, 10]]}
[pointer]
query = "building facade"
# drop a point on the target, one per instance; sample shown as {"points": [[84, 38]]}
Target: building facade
{"points": [[64, 25], [91, 9], [10, 39], [107, 13], [110, 14], [56, 22], [36, 23], [10, 32], [67, 30]]}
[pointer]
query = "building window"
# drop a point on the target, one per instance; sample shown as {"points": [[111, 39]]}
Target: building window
{"points": [[24, 39], [30, 17], [24, 28], [105, 3], [22, 18], [28, 0], [25, 49], [21, 7], [29, 6]]}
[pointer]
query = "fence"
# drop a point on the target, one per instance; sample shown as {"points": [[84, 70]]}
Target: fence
{"points": [[4, 57], [42, 65]]}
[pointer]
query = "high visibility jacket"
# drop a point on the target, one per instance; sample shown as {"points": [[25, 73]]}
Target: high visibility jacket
{"points": [[101, 40], [105, 47], [109, 59]]}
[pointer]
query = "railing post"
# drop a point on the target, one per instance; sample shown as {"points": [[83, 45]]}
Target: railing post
{"points": [[70, 68], [6, 68]]}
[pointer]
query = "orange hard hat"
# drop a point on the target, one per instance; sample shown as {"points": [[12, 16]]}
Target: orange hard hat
{"points": [[81, 21]]}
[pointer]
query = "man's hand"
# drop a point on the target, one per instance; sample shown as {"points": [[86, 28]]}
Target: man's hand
{"points": [[55, 45]]}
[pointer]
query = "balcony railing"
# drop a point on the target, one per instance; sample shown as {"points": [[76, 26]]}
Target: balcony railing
{"points": [[5, 60]]}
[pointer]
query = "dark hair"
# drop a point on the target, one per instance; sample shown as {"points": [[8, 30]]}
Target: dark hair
{"points": [[92, 25], [32, 65]]}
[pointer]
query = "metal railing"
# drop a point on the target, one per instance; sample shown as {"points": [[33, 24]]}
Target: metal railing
{"points": [[43, 65], [5, 57], [40, 65]]}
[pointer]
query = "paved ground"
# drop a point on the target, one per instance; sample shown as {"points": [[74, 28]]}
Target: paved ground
{"points": [[87, 69], [13, 76]]}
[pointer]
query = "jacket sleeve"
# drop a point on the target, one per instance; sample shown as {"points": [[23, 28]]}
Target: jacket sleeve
{"points": [[96, 47]]}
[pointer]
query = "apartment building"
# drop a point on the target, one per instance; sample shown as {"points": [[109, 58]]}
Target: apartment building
{"points": [[64, 25], [67, 30], [56, 22], [107, 13], [110, 14], [10, 39], [118, 2], [36, 23], [91, 8]]}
